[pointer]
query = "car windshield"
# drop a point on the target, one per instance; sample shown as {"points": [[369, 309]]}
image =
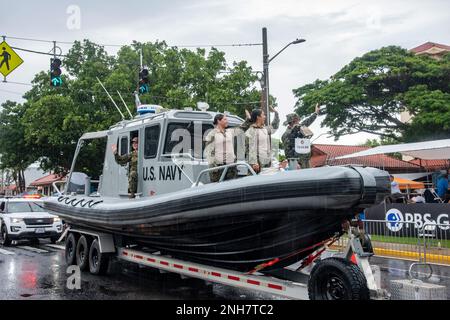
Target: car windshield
{"points": [[15, 207]]}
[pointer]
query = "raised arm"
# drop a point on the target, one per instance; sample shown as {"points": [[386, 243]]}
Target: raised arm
{"points": [[308, 121], [122, 160], [275, 123]]}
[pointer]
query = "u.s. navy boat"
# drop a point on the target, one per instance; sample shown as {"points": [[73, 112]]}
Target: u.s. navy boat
{"points": [[235, 224]]}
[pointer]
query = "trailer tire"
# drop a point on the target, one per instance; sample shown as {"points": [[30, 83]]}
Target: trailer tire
{"points": [[71, 246], [98, 261], [82, 253], [337, 279]]}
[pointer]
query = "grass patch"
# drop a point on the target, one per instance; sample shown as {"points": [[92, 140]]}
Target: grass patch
{"points": [[410, 240]]}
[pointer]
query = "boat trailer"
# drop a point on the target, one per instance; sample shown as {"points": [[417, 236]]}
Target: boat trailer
{"points": [[309, 279]]}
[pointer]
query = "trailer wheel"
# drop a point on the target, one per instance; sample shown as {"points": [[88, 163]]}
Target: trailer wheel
{"points": [[98, 262], [71, 246], [337, 279], [82, 253]]}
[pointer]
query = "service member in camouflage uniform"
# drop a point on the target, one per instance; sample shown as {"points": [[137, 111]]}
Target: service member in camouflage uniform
{"points": [[258, 138], [293, 131], [219, 149], [132, 159]]}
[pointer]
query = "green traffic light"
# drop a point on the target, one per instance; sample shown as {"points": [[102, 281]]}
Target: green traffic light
{"points": [[56, 81], [144, 89]]}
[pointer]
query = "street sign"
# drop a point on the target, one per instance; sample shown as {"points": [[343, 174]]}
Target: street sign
{"points": [[9, 59]]}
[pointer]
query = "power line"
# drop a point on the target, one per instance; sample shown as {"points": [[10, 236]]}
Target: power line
{"points": [[19, 83], [38, 52], [28, 39], [121, 45], [218, 45]]}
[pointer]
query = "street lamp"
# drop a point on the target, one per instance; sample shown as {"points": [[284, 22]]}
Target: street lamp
{"points": [[266, 62], [297, 41]]}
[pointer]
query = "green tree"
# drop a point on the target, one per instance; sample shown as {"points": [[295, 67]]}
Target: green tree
{"points": [[372, 143], [15, 152], [55, 118], [369, 93]]}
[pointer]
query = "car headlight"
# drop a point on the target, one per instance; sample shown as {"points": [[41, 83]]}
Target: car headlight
{"points": [[57, 219], [16, 220]]}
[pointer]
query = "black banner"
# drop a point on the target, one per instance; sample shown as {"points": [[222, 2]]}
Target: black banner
{"points": [[408, 219]]}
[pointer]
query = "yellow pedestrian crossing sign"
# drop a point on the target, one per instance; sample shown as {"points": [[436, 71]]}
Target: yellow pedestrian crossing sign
{"points": [[9, 59]]}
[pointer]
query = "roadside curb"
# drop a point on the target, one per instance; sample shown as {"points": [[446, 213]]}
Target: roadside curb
{"points": [[412, 255]]}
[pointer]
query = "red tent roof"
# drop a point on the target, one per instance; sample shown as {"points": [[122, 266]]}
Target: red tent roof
{"points": [[325, 154], [428, 45], [46, 180], [432, 165], [10, 187]]}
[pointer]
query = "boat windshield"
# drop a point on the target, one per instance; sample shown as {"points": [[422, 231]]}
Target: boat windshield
{"points": [[185, 136]]}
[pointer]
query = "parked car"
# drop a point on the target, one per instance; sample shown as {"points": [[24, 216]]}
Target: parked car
{"points": [[22, 218]]}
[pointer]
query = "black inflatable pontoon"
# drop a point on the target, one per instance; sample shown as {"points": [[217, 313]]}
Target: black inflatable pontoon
{"points": [[236, 224]]}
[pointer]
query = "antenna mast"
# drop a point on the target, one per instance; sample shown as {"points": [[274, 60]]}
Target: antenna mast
{"points": [[123, 117], [123, 101]]}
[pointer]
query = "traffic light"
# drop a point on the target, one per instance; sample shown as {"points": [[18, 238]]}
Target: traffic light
{"points": [[55, 72], [143, 81]]}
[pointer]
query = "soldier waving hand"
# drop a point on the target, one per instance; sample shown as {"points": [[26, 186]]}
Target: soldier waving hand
{"points": [[298, 130]]}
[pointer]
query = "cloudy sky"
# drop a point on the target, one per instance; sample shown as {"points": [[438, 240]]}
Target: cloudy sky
{"points": [[336, 32]]}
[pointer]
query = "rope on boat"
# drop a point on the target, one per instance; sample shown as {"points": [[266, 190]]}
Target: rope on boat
{"points": [[75, 202], [310, 258], [90, 206], [87, 203]]}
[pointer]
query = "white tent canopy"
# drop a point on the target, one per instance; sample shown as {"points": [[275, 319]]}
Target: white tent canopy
{"points": [[429, 150]]}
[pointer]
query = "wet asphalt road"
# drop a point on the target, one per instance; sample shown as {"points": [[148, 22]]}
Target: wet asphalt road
{"points": [[27, 273], [38, 272]]}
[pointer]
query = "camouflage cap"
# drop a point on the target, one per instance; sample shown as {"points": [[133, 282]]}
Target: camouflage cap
{"points": [[290, 117]]}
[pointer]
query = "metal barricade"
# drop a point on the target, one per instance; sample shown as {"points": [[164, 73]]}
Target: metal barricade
{"points": [[396, 239], [424, 243], [434, 242]]}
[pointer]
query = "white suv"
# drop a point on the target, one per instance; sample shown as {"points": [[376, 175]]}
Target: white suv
{"points": [[27, 219]]}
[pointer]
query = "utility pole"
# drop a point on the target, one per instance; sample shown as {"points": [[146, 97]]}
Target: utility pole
{"points": [[265, 89], [265, 79], [141, 59]]}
